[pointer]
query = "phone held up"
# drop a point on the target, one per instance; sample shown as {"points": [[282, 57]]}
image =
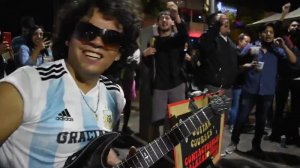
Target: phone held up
{"points": [[47, 35], [6, 36]]}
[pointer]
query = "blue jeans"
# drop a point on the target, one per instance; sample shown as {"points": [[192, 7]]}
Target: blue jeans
{"points": [[263, 104], [236, 94]]}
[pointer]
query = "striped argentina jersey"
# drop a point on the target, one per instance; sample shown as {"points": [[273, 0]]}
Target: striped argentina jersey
{"points": [[58, 119]]}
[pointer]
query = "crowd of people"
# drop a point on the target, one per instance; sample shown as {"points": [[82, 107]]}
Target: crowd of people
{"points": [[31, 48], [68, 85], [272, 52]]}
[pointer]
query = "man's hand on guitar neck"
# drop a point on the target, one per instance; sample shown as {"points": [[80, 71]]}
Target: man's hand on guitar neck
{"points": [[113, 159], [132, 151]]}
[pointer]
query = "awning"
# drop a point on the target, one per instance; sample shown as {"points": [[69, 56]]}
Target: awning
{"points": [[271, 18], [292, 15]]}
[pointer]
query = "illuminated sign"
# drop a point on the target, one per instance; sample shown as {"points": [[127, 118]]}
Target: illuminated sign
{"points": [[226, 9]]}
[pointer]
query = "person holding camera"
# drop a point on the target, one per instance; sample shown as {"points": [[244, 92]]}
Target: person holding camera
{"points": [[7, 63], [37, 49], [259, 87], [288, 82]]}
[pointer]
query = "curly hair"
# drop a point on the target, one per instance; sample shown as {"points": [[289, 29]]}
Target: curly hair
{"points": [[126, 12]]}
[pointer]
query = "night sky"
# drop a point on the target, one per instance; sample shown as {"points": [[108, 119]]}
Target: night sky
{"points": [[43, 10], [12, 10], [267, 5]]}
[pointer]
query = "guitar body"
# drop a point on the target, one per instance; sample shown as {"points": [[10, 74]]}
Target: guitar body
{"points": [[94, 154]]}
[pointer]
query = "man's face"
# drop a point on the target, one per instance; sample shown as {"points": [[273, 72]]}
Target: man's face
{"points": [[25, 31], [245, 41], [268, 34], [90, 58], [37, 36], [293, 26], [225, 27], [165, 22]]}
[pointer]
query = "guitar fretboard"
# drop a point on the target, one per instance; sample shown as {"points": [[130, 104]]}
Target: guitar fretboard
{"points": [[148, 155]]}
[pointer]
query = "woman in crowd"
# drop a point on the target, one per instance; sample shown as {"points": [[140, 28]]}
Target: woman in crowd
{"points": [[37, 49]]}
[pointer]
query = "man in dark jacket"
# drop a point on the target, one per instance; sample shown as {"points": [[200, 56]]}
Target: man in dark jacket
{"points": [[218, 56], [164, 58]]}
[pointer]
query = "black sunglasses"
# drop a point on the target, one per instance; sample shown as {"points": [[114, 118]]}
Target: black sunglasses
{"points": [[86, 32]]}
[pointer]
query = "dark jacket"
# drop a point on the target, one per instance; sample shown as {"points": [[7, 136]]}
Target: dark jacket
{"points": [[6, 67], [165, 65], [219, 65], [287, 70]]}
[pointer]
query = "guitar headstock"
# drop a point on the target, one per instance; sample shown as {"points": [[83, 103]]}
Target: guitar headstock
{"points": [[219, 103]]}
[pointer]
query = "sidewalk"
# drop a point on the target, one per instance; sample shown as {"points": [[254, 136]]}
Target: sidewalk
{"points": [[274, 157]]}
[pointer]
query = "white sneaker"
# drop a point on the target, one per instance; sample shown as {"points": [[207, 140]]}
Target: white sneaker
{"points": [[231, 128], [231, 148]]}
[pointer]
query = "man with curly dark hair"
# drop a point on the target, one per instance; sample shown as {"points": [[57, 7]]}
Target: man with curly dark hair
{"points": [[52, 111]]}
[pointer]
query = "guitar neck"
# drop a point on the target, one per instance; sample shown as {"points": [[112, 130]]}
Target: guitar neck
{"points": [[151, 153]]}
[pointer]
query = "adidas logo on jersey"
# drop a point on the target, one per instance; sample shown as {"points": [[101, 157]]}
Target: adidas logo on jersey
{"points": [[64, 116]]}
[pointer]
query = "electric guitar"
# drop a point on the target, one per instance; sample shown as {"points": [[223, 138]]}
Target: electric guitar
{"points": [[94, 155]]}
